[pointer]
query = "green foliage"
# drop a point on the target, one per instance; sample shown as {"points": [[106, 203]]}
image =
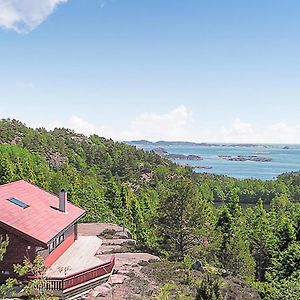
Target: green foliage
{"points": [[209, 288], [279, 239], [165, 292], [182, 218], [167, 207], [288, 263], [36, 288], [218, 188], [261, 239], [97, 173], [6, 288], [234, 252], [3, 246]]}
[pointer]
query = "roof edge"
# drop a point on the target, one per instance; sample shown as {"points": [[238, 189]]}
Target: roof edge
{"points": [[68, 226], [22, 234]]}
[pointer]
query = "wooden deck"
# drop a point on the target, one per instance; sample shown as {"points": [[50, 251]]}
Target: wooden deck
{"points": [[79, 269], [80, 256]]}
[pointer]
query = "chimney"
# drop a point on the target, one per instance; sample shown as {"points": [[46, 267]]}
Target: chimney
{"points": [[63, 201]]}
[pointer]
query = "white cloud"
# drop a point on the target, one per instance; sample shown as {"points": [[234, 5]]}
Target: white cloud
{"points": [[76, 123], [79, 125], [172, 125], [239, 128], [242, 132], [178, 124], [153, 126], [239, 131], [23, 16]]}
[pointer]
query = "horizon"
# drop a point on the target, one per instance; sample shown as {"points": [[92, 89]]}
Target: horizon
{"points": [[160, 141], [129, 70]]}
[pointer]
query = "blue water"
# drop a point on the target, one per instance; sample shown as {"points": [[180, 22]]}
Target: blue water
{"points": [[283, 160]]}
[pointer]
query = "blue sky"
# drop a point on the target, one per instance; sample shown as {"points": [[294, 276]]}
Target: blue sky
{"points": [[201, 70]]}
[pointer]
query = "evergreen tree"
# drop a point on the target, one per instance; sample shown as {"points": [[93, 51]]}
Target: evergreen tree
{"points": [[234, 251], [261, 242], [181, 218], [234, 206], [138, 225], [209, 288], [112, 197]]}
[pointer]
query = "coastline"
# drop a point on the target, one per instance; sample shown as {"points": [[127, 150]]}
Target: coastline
{"points": [[235, 161]]}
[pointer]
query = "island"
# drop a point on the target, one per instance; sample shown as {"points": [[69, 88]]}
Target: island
{"points": [[202, 167], [245, 158], [196, 167], [172, 156], [183, 157], [142, 143]]}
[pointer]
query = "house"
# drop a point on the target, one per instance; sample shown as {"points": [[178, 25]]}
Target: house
{"points": [[40, 223]]}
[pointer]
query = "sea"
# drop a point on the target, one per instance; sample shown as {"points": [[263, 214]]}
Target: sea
{"points": [[285, 158]]}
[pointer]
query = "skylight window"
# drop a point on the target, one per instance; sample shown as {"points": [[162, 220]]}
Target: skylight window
{"points": [[18, 202]]}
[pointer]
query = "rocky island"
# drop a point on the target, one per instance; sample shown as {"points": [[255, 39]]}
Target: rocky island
{"points": [[202, 167], [183, 157], [246, 158], [196, 167], [164, 153]]}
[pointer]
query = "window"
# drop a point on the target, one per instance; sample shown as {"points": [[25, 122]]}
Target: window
{"points": [[51, 247], [18, 202], [56, 242], [61, 238]]}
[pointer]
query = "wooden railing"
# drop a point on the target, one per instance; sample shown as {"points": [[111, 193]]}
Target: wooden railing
{"points": [[64, 283]]}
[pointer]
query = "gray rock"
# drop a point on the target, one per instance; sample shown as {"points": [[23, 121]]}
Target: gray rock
{"points": [[118, 278]]}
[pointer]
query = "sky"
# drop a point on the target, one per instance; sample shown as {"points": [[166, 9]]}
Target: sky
{"points": [[192, 70]]}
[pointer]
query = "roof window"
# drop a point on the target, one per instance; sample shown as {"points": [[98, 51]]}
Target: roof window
{"points": [[18, 202]]}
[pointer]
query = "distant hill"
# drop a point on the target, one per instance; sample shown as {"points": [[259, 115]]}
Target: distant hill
{"points": [[187, 144]]}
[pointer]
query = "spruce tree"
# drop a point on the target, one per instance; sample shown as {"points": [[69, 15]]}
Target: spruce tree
{"points": [[234, 252], [261, 241]]}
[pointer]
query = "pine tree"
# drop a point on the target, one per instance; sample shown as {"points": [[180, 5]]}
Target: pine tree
{"points": [[112, 196], [233, 205], [137, 227], [261, 241], [234, 251], [181, 218]]}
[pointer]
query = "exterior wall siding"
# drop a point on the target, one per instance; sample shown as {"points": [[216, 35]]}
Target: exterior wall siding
{"points": [[57, 252], [67, 233], [18, 249]]}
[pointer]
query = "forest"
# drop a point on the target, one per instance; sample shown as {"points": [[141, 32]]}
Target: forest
{"points": [[247, 228]]}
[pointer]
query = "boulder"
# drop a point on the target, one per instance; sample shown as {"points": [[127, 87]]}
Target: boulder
{"points": [[118, 278]]}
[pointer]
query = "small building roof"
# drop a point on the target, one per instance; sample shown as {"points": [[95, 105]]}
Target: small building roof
{"points": [[33, 212]]}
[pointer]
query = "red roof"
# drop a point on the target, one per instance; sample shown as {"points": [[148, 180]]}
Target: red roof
{"points": [[40, 221]]}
